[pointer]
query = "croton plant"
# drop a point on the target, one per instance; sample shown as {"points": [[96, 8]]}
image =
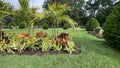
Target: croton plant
{"points": [[20, 42]]}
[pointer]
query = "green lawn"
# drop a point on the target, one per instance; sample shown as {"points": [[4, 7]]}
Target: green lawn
{"points": [[95, 53]]}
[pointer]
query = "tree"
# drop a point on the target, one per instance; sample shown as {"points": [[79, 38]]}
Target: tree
{"points": [[28, 15], [100, 8], [90, 26], [56, 14], [112, 28], [77, 12], [4, 7]]}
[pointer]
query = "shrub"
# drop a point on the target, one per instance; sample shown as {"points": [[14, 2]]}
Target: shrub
{"points": [[94, 23], [21, 25], [19, 43], [45, 26], [41, 34], [65, 26], [11, 25], [112, 28]]}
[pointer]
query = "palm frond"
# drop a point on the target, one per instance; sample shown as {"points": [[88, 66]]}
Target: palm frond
{"points": [[68, 20]]}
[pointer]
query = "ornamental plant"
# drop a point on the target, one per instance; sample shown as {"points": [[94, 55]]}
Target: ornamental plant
{"points": [[92, 25], [23, 41], [112, 28]]}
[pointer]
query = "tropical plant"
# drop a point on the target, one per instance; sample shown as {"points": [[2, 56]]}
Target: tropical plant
{"points": [[41, 34], [4, 7], [46, 44], [56, 14], [70, 47], [77, 12], [57, 47]]}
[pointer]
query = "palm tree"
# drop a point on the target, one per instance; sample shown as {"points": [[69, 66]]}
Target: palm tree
{"points": [[28, 15], [4, 8], [25, 13], [56, 13]]}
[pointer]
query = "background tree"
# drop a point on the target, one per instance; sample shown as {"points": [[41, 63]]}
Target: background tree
{"points": [[100, 8], [112, 28]]}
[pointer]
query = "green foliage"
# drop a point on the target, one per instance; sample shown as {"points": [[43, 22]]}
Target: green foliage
{"points": [[46, 44], [76, 5], [5, 7], [70, 47], [21, 25], [11, 25], [66, 26], [95, 53], [57, 47], [19, 43], [112, 28], [45, 26], [56, 14], [92, 25]]}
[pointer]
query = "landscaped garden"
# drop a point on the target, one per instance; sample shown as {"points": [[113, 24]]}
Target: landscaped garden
{"points": [[66, 34], [95, 53]]}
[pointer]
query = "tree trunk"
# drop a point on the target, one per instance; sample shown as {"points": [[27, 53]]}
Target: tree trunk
{"points": [[0, 32], [57, 28], [53, 30]]}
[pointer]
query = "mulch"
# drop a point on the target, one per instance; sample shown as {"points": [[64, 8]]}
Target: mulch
{"points": [[40, 53]]}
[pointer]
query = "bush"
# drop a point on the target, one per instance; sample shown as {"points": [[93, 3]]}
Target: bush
{"points": [[22, 25], [94, 23], [112, 28], [45, 26], [11, 25], [65, 26]]}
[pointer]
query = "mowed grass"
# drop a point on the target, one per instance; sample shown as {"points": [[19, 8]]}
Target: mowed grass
{"points": [[95, 53]]}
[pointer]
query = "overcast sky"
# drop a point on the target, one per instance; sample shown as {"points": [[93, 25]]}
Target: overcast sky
{"points": [[33, 3]]}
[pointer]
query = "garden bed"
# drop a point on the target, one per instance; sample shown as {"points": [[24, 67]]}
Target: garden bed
{"points": [[40, 53], [40, 44]]}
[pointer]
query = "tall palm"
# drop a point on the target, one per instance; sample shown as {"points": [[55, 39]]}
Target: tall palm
{"points": [[28, 15], [25, 13], [56, 13]]}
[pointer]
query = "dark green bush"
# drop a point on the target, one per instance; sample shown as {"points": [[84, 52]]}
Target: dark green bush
{"points": [[94, 23], [22, 25], [112, 28], [11, 25], [45, 26], [66, 26]]}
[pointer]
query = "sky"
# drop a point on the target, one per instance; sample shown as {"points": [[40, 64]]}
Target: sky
{"points": [[33, 3]]}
